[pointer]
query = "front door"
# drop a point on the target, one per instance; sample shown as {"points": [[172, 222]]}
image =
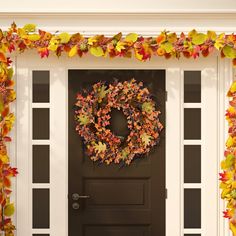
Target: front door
{"points": [[116, 200]]}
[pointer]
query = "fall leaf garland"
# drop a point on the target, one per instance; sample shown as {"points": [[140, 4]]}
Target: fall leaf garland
{"points": [[166, 44], [93, 118], [228, 165], [7, 95]]}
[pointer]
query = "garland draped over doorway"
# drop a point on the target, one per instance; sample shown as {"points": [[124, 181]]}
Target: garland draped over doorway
{"points": [[166, 44]]}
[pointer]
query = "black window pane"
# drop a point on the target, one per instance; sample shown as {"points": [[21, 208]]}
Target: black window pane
{"points": [[192, 234], [192, 86], [41, 86], [192, 123], [41, 163], [40, 234], [192, 208], [41, 121], [192, 164], [41, 208]]}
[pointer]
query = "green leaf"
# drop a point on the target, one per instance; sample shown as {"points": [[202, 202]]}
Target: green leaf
{"points": [[9, 209], [65, 37], [233, 193], [73, 51], [125, 153], [146, 139], [199, 38], [167, 46], [1, 104], [211, 35], [102, 92], [96, 51], [147, 107], [132, 37], [229, 51], [227, 162], [10, 73], [29, 28], [100, 147], [118, 36], [83, 119]]}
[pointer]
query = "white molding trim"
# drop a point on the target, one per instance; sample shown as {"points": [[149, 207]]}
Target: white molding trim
{"points": [[109, 23]]}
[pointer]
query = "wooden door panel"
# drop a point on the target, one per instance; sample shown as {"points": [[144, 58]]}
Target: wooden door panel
{"points": [[117, 230], [124, 200]]}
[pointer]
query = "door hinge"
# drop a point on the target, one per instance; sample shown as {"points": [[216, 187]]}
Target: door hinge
{"points": [[166, 193], [166, 95]]}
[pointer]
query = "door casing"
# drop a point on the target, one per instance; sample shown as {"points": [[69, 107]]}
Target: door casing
{"points": [[220, 73]]}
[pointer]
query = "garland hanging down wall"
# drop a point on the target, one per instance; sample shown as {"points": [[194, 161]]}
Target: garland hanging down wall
{"points": [[166, 44]]}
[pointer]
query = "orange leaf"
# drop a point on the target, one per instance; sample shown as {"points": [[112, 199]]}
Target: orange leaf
{"points": [[3, 57]]}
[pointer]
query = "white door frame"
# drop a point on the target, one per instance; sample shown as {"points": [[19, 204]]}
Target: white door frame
{"points": [[174, 155]]}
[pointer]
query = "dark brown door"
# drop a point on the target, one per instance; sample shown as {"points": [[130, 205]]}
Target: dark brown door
{"points": [[124, 200]]}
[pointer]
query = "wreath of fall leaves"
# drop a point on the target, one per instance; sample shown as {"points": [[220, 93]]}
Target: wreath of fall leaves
{"points": [[93, 120]]}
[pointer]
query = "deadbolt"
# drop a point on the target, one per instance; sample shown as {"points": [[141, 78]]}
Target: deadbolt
{"points": [[75, 205]]}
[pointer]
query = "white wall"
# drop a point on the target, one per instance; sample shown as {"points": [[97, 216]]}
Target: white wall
{"points": [[117, 5]]}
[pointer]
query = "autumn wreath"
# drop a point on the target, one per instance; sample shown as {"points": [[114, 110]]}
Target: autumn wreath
{"points": [[93, 118]]}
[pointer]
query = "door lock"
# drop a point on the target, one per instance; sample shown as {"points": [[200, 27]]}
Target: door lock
{"points": [[75, 205]]}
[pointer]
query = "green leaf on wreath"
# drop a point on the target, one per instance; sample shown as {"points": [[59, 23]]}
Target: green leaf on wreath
{"points": [[125, 153], [102, 92], [83, 119], [148, 107], [146, 139], [100, 147]]}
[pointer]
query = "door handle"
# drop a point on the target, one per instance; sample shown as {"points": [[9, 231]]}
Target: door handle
{"points": [[76, 196]]}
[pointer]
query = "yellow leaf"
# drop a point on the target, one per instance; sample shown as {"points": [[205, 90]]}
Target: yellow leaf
{"points": [[132, 37], [120, 46], [146, 139], [73, 51], [9, 120], [219, 42], [138, 55], [167, 47], [96, 51], [233, 228], [229, 142], [33, 37], [172, 37], [53, 45], [233, 87], [29, 28], [65, 37], [192, 33], [4, 159], [9, 209], [100, 147]]}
